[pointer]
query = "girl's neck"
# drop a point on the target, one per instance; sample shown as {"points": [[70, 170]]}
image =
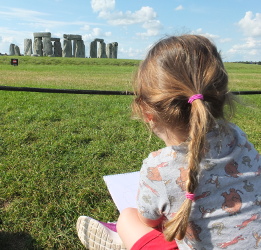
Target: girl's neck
{"points": [[172, 137]]}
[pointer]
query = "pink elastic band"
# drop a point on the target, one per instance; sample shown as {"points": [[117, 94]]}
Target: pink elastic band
{"points": [[190, 196], [195, 97]]}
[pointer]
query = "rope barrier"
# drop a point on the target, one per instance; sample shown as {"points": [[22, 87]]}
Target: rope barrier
{"points": [[65, 91], [95, 92], [246, 92]]}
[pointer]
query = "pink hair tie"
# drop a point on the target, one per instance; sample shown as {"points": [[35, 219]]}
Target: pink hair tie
{"points": [[190, 196], [195, 97]]}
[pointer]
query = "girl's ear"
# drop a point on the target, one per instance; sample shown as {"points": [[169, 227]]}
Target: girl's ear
{"points": [[148, 117]]}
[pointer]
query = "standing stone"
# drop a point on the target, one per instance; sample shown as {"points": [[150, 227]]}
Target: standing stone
{"points": [[11, 49], [57, 47], [109, 50], [114, 50], [47, 46], [28, 50], [17, 50], [38, 46], [67, 48], [80, 49], [93, 49], [102, 50]]}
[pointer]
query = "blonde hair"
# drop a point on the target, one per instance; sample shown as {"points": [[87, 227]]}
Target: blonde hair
{"points": [[175, 69]]}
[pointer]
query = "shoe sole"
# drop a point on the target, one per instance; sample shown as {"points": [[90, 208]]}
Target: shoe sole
{"points": [[94, 236]]}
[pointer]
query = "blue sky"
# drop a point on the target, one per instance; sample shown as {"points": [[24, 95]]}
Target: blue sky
{"points": [[233, 25]]}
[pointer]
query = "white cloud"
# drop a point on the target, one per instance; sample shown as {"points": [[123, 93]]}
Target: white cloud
{"points": [[212, 37], [225, 40], [251, 48], [250, 44], [128, 18], [153, 28], [180, 7], [23, 14], [96, 33], [35, 19], [8, 39], [102, 5], [145, 16], [108, 33], [208, 35], [131, 53], [86, 27], [250, 24]]}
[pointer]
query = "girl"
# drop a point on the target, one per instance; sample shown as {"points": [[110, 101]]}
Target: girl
{"points": [[203, 190]]}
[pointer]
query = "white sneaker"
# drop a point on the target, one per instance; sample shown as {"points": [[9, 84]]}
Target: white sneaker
{"points": [[95, 236]]}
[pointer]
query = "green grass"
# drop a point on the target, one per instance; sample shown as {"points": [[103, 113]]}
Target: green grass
{"points": [[55, 148], [74, 73], [244, 76]]}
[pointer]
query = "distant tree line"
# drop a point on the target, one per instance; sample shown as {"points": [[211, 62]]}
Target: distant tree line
{"points": [[249, 62]]}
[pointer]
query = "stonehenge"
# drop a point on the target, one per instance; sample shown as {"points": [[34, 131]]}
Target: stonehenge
{"points": [[104, 51], [43, 44], [73, 46]]}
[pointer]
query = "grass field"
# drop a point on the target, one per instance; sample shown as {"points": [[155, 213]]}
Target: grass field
{"points": [[55, 148]]}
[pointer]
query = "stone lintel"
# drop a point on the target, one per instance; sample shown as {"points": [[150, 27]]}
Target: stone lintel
{"points": [[72, 37], [98, 40], [42, 34], [55, 39]]}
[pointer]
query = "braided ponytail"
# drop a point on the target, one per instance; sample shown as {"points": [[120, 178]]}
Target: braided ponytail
{"points": [[176, 228]]}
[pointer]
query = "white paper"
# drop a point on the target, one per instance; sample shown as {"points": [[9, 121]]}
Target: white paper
{"points": [[123, 189]]}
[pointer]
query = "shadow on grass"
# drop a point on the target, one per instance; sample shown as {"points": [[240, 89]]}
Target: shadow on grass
{"points": [[16, 241]]}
